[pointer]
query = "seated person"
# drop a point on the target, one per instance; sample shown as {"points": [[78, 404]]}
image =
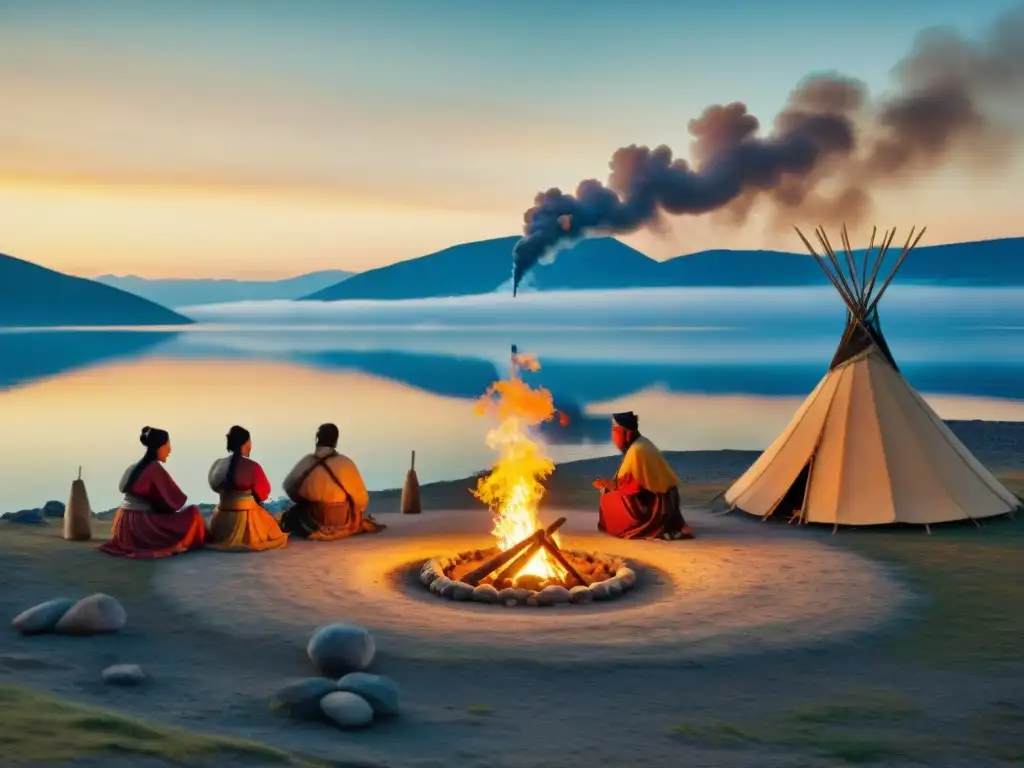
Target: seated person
{"points": [[329, 496], [642, 502], [153, 520], [240, 523]]}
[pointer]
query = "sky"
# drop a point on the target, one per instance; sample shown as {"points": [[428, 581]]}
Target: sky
{"points": [[264, 138]]}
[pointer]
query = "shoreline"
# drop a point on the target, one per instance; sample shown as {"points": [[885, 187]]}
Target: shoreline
{"points": [[998, 445]]}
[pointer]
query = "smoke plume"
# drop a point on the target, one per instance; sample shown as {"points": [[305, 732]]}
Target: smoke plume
{"points": [[827, 149]]}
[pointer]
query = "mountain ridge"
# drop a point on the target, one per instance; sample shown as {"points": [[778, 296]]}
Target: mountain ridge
{"points": [[188, 291], [37, 297], [484, 266]]}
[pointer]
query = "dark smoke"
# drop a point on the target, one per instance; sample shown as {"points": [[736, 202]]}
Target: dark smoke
{"points": [[828, 147]]}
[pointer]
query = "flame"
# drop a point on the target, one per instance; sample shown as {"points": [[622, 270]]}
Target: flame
{"points": [[514, 487]]}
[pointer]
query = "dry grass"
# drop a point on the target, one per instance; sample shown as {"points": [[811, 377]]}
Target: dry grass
{"points": [[38, 729], [869, 728]]}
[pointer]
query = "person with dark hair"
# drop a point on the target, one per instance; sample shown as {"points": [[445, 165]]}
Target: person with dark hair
{"points": [[240, 523], [153, 520], [642, 502], [328, 494]]}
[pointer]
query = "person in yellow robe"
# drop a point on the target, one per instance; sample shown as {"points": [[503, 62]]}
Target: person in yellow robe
{"points": [[642, 502], [328, 494]]}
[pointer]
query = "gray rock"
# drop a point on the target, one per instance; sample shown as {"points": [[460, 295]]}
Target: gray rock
{"points": [[448, 590], [338, 649], [43, 617], [123, 674], [626, 577], [380, 691], [462, 591], [347, 710], [439, 584], [553, 595], [532, 600], [93, 615], [301, 698], [581, 595], [485, 593], [514, 596], [26, 517], [607, 589], [53, 509]]}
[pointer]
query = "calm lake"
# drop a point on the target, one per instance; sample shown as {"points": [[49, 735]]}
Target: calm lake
{"points": [[705, 369]]}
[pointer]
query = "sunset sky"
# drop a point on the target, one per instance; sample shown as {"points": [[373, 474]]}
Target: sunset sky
{"points": [[262, 138]]}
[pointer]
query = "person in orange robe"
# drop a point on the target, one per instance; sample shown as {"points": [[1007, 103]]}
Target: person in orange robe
{"points": [[240, 523], [153, 520], [642, 502], [328, 494]]}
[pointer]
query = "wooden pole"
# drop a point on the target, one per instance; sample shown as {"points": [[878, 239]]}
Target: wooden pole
{"points": [[484, 570]]}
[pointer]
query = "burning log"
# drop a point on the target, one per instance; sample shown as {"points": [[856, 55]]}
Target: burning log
{"points": [[556, 553], [475, 576], [520, 562]]}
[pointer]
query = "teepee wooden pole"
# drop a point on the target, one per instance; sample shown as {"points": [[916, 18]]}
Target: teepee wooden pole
{"points": [[882, 251], [412, 463], [848, 251], [867, 255], [823, 238], [899, 263]]}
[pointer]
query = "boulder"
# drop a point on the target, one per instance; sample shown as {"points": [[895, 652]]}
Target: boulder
{"points": [[485, 593], [347, 710], [43, 617], [301, 698], [513, 596], [626, 577], [93, 615], [461, 591], [439, 584], [53, 509], [380, 691], [553, 595], [123, 674], [338, 649], [607, 589], [26, 517], [581, 595]]}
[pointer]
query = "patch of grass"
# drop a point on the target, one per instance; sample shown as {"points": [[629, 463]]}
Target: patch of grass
{"points": [[823, 740], [861, 708], [37, 728], [971, 577], [79, 569], [480, 710], [850, 728]]}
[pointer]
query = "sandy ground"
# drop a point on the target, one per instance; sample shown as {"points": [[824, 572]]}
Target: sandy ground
{"points": [[731, 591], [225, 630], [745, 623]]}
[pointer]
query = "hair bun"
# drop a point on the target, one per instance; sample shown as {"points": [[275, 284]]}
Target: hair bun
{"points": [[144, 435]]}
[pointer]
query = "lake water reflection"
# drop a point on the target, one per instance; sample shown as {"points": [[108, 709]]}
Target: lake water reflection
{"points": [[73, 398]]}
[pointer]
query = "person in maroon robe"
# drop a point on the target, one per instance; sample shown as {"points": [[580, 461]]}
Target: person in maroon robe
{"points": [[153, 520], [642, 502]]}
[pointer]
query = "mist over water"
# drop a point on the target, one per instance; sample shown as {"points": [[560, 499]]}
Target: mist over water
{"points": [[704, 368]]}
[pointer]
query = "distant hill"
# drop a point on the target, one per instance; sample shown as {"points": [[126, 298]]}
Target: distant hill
{"points": [[33, 296], [187, 292], [480, 267], [484, 266]]}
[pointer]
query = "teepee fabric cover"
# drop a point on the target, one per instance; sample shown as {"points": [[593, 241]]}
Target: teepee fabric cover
{"points": [[866, 449]]}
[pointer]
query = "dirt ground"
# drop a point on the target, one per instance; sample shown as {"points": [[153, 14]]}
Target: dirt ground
{"points": [[893, 648]]}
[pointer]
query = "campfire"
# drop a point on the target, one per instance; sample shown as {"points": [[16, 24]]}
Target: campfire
{"points": [[527, 565]]}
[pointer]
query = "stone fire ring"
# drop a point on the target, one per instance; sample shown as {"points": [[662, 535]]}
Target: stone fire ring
{"points": [[737, 588], [434, 576]]}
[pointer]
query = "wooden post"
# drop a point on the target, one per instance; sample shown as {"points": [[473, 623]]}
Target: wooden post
{"points": [[411, 504]]}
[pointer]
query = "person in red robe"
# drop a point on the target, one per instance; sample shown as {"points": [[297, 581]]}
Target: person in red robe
{"points": [[153, 520], [642, 502], [240, 523]]}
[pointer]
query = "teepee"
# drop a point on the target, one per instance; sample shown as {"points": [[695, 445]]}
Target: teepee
{"points": [[865, 448]]}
